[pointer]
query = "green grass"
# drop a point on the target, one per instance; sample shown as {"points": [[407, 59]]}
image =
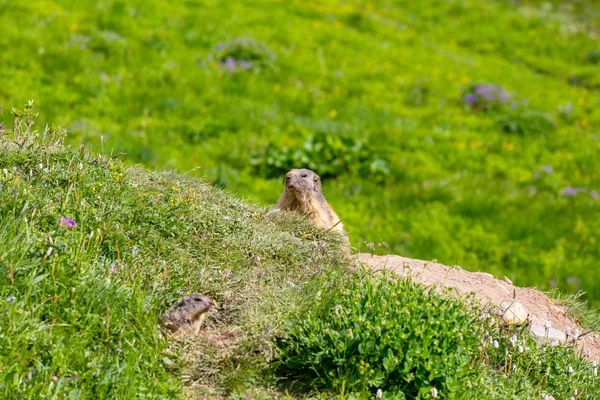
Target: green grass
{"points": [[381, 332], [463, 187], [92, 252]]}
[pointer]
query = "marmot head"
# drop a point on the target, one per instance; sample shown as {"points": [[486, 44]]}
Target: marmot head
{"points": [[195, 304], [302, 181]]}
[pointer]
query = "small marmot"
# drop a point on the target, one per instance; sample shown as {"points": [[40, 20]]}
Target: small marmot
{"points": [[188, 315], [303, 194]]}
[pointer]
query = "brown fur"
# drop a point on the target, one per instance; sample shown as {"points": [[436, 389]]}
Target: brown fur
{"points": [[187, 316], [303, 194]]}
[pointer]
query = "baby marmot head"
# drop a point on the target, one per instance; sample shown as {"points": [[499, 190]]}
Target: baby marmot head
{"points": [[195, 304], [302, 181]]}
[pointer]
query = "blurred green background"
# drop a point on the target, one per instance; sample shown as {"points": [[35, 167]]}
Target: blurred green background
{"points": [[463, 131]]}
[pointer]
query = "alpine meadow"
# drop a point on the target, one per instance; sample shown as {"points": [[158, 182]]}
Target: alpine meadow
{"points": [[143, 143]]}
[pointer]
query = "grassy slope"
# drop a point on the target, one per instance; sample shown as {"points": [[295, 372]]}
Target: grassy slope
{"points": [[80, 305], [80, 301], [460, 190]]}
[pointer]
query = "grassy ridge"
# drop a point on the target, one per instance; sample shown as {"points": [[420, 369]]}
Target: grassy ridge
{"points": [[93, 252], [464, 186]]}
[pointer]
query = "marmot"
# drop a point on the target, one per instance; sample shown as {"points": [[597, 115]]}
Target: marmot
{"points": [[188, 314], [303, 194]]}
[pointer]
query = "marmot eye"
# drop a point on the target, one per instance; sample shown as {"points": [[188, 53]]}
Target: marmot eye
{"points": [[304, 175]]}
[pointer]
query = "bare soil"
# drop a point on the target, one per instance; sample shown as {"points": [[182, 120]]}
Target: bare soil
{"points": [[487, 289]]}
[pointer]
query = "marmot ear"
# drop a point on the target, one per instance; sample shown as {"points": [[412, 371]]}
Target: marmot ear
{"points": [[317, 181]]}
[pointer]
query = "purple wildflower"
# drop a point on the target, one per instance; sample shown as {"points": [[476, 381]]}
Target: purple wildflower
{"points": [[221, 46], [113, 270], [570, 191], [229, 64], [246, 65], [503, 95], [547, 169], [483, 90], [489, 96], [514, 105], [573, 281], [1, 127], [595, 195], [66, 222], [471, 98]]}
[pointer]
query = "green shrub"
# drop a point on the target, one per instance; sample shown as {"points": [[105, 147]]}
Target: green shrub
{"points": [[525, 122], [593, 56], [510, 355], [382, 332], [485, 97], [329, 154], [244, 53]]}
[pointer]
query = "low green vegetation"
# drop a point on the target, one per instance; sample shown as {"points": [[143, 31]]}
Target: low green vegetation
{"points": [[373, 95], [379, 332], [92, 253], [383, 333], [461, 130]]}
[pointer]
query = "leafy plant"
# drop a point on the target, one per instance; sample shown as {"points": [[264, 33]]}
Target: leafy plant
{"points": [[526, 122], [510, 354], [328, 154], [382, 331], [244, 53], [485, 97], [593, 56]]}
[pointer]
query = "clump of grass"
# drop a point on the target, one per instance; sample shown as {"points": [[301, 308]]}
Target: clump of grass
{"points": [[245, 53], [581, 310], [526, 122], [92, 252]]}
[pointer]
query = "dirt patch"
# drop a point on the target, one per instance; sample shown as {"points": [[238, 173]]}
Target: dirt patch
{"points": [[486, 289]]}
